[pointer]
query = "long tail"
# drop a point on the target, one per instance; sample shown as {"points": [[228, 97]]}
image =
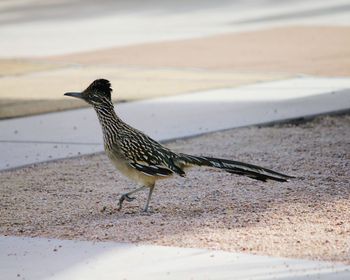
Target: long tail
{"points": [[235, 167]]}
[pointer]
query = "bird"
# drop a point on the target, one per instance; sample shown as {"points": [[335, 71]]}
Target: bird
{"points": [[143, 159]]}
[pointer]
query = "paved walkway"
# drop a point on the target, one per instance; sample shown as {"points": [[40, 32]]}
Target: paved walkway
{"points": [[39, 258]]}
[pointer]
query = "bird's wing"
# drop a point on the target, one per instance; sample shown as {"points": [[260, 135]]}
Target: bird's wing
{"points": [[151, 170], [148, 156]]}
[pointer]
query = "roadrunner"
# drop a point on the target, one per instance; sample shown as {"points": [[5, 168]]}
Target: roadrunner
{"points": [[143, 159]]}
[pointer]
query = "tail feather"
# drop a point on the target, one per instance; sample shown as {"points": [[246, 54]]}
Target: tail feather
{"points": [[236, 167]]}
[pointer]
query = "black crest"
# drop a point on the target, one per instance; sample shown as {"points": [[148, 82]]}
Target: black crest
{"points": [[101, 86]]}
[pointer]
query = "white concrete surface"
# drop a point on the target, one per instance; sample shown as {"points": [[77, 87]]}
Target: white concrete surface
{"points": [[65, 134], [39, 259], [40, 28]]}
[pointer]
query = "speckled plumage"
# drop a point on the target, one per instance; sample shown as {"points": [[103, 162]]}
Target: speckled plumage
{"points": [[143, 159]]}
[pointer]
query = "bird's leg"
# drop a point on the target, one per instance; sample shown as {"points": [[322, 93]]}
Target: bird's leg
{"points": [[149, 198], [127, 197]]}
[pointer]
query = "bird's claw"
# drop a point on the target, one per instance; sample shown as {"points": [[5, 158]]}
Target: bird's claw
{"points": [[122, 198], [128, 198]]}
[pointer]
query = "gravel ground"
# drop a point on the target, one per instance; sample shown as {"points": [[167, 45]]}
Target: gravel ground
{"points": [[305, 218]]}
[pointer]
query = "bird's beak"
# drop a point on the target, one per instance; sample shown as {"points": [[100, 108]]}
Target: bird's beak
{"points": [[74, 94]]}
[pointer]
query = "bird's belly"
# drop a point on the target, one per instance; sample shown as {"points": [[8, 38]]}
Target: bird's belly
{"points": [[128, 171]]}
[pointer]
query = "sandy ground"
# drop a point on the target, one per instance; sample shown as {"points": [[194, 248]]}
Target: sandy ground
{"points": [[323, 51], [305, 218], [16, 67]]}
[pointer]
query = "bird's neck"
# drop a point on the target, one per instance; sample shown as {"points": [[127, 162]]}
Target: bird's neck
{"points": [[109, 121]]}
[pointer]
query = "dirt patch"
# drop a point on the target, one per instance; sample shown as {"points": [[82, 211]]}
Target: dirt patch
{"points": [[15, 67], [305, 218], [309, 50]]}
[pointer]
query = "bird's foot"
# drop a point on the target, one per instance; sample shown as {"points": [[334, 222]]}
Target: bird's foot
{"points": [[146, 212], [122, 198]]}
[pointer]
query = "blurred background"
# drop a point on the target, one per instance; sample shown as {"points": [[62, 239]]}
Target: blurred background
{"points": [[156, 48]]}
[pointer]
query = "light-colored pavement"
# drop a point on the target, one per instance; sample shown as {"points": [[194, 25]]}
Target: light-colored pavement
{"points": [[29, 28], [39, 258], [65, 134]]}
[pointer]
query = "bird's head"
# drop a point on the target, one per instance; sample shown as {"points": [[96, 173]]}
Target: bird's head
{"points": [[98, 93]]}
